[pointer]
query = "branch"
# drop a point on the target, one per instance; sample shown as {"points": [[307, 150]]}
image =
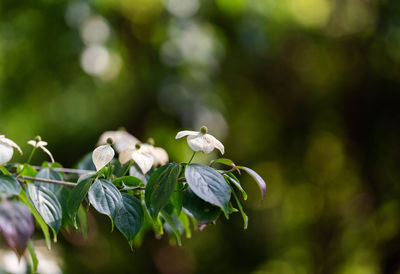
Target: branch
{"points": [[47, 181], [66, 170]]}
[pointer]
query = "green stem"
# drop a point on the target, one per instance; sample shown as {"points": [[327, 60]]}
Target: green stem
{"points": [[194, 153], [31, 155]]}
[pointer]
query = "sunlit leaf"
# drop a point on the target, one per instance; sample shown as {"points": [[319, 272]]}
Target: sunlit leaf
{"points": [[47, 205], [105, 198], [209, 185]]}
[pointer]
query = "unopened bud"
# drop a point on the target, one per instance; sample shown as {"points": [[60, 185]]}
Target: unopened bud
{"points": [[137, 146], [150, 141], [204, 130], [38, 139], [109, 141]]}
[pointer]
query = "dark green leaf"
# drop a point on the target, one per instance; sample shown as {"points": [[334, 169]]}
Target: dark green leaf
{"points": [[257, 178], [202, 211], [130, 217], [47, 173], [160, 187], [9, 185], [47, 205], [173, 225], [105, 198], [76, 197], [244, 216], [209, 185], [16, 225], [86, 162]]}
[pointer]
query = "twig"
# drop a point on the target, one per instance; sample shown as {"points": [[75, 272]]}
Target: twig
{"points": [[65, 170], [46, 180]]}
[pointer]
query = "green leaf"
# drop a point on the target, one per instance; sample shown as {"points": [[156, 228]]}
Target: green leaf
{"points": [[86, 162], [47, 173], [9, 185], [183, 218], [83, 221], [160, 187], [27, 170], [244, 216], [45, 229], [105, 198], [76, 197], [232, 178], [257, 178], [16, 225], [47, 205], [224, 161], [209, 185], [128, 182], [202, 211], [173, 224], [130, 217], [31, 249]]}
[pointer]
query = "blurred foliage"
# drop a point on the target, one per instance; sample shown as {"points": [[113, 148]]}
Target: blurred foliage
{"points": [[304, 91]]}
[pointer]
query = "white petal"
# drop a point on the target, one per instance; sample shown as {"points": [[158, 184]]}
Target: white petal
{"points": [[32, 143], [47, 151], [10, 143], [160, 156], [186, 133], [217, 144], [125, 156], [122, 139], [200, 143], [143, 160], [102, 156], [42, 144], [6, 153]]}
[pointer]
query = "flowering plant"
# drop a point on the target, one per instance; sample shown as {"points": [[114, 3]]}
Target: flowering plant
{"points": [[139, 190]]}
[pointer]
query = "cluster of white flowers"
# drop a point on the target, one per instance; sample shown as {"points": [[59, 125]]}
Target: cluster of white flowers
{"points": [[129, 148], [147, 155]]}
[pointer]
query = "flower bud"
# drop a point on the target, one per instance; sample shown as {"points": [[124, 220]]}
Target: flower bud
{"points": [[137, 146], [204, 130], [109, 141], [38, 139]]}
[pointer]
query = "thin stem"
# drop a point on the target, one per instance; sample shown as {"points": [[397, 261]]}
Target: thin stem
{"points": [[194, 153], [47, 180], [65, 170], [31, 155]]}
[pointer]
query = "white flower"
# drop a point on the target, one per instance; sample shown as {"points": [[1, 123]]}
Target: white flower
{"points": [[7, 149], [38, 143], [122, 140], [159, 154], [102, 155], [201, 140], [140, 156]]}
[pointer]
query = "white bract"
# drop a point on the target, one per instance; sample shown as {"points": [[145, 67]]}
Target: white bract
{"points": [[38, 143], [140, 156], [102, 155], [7, 149], [201, 140], [122, 140], [159, 154]]}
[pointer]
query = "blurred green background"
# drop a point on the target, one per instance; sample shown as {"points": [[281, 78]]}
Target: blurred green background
{"points": [[306, 92]]}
